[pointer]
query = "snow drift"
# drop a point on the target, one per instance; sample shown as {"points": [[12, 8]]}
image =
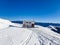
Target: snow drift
{"points": [[26, 36], [6, 23]]}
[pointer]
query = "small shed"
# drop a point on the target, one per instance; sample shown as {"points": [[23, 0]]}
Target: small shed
{"points": [[29, 24]]}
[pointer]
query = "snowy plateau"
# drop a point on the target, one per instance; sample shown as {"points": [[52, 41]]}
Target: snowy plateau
{"points": [[17, 35]]}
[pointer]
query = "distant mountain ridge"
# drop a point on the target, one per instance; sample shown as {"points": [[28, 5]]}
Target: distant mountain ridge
{"points": [[44, 25], [40, 23]]}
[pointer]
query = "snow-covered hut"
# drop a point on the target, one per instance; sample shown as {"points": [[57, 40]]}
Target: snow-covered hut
{"points": [[28, 24]]}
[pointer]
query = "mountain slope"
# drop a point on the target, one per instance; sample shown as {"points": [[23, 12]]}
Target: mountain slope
{"points": [[28, 36], [15, 34]]}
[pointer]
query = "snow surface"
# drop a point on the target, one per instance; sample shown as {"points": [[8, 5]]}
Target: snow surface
{"points": [[6, 23], [26, 36], [52, 27]]}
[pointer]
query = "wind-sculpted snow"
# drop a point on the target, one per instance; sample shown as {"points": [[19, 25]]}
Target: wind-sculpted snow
{"points": [[6, 23], [18, 36], [45, 38], [14, 34], [26, 36]]}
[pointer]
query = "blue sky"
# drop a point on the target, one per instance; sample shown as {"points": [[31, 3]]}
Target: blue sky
{"points": [[38, 10]]}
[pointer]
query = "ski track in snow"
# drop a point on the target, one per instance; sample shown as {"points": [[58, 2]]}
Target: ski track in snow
{"points": [[26, 36], [16, 35], [46, 39], [38, 35]]}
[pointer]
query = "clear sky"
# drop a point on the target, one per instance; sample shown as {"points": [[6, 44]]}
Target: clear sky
{"points": [[39, 10]]}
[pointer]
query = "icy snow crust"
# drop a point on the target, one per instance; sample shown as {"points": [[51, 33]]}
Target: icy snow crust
{"points": [[26, 36]]}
